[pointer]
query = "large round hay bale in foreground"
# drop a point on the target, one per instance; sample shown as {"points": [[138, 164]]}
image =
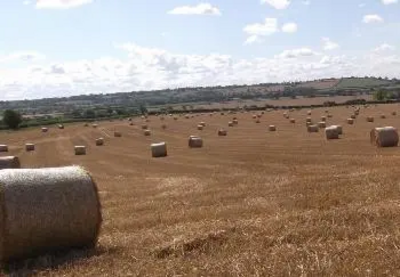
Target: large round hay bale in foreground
{"points": [[195, 142], [384, 136], [9, 162], [331, 132], [159, 150], [80, 150], [29, 147], [3, 148], [100, 142], [47, 209], [272, 128], [313, 128], [339, 128]]}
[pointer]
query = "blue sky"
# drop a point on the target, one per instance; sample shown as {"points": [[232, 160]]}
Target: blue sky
{"points": [[68, 47]]}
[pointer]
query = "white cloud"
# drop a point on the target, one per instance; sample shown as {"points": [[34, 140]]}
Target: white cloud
{"points": [[388, 2], [146, 68], [289, 28], [200, 9], [277, 4], [22, 56], [258, 30], [372, 18], [61, 4], [384, 47], [328, 44], [297, 53]]}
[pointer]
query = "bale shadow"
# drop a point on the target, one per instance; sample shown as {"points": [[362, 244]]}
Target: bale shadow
{"points": [[52, 261]]}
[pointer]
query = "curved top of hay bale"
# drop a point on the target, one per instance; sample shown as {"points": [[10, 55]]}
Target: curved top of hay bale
{"points": [[384, 136]]}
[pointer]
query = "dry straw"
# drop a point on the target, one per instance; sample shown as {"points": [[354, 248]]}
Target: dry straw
{"points": [[331, 132], [9, 162], [272, 128], [159, 150], [42, 210], [384, 136]]}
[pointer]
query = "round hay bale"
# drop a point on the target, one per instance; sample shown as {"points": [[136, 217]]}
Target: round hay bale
{"points": [[9, 162], [3, 148], [175, 118], [47, 209], [259, 116], [254, 116], [131, 124], [94, 125], [61, 126], [350, 121], [258, 121], [370, 119], [164, 126], [29, 147], [313, 128], [230, 124], [323, 118], [147, 133], [308, 120], [272, 128], [339, 128], [326, 111], [187, 116], [100, 142], [322, 124], [331, 132], [394, 113], [383, 116], [129, 119], [80, 150], [222, 133], [86, 125], [292, 120], [200, 127], [330, 115], [195, 142], [117, 134], [44, 130], [235, 121], [353, 116], [159, 150], [309, 112], [384, 136], [145, 126], [203, 123]]}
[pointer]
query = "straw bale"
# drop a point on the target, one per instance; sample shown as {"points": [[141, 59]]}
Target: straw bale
{"points": [[292, 120], [80, 150], [350, 121], [145, 126], [384, 136], [235, 122], [322, 124], [394, 113], [159, 150], [117, 134], [45, 130], [222, 133], [323, 118], [272, 128], [309, 112], [230, 124], [370, 119], [200, 127], [353, 116], [313, 128], [29, 147], [383, 116], [3, 148], [47, 209], [9, 162], [100, 142], [164, 126], [147, 132], [195, 142], [60, 126], [331, 132], [308, 120], [202, 123], [94, 125]]}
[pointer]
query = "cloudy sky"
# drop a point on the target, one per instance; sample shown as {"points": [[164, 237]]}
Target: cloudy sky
{"points": [[69, 47]]}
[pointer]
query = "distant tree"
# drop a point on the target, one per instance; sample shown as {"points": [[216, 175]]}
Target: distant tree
{"points": [[12, 119], [143, 109], [90, 114]]}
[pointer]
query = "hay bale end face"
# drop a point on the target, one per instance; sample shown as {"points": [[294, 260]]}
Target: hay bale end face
{"points": [[195, 142], [3, 148], [292, 120], [272, 128], [61, 126], [370, 119], [384, 136], [29, 147], [331, 132], [350, 121], [147, 133], [44, 130], [100, 142], [159, 150], [9, 162], [235, 122], [47, 209], [80, 150], [117, 134], [200, 127]]}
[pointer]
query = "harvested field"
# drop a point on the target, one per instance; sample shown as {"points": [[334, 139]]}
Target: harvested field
{"points": [[253, 203]]}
